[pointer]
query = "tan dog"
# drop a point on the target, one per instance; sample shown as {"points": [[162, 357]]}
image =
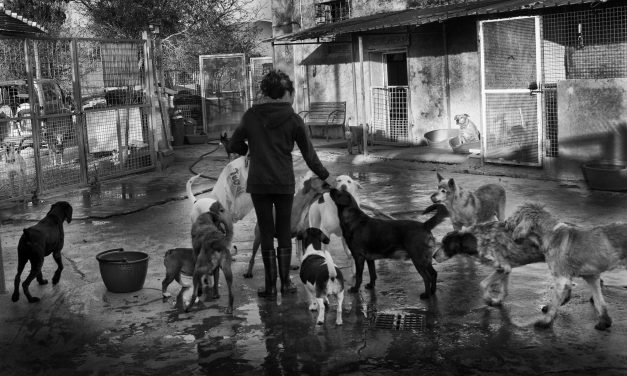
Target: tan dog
{"points": [[468, 131], [584, 252], [468, 208], [16, 168], [211, 251]]}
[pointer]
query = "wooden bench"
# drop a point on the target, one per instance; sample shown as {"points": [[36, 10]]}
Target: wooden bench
{"points": [[325, 115]]}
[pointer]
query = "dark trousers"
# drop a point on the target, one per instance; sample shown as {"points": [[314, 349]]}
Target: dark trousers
{"points": [[269, 225]]}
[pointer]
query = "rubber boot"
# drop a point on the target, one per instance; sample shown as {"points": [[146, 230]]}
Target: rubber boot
{"points": [[269, 265], [285, 259]]}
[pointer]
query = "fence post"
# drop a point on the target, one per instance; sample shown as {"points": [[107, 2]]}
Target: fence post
{"points": [[3, 287], [150, 93]]}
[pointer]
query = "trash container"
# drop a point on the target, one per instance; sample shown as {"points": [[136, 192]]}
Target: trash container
{"points": [[178, 130]]}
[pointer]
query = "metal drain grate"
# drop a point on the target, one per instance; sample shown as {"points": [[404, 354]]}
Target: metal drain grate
{"points": [[398, 321]]}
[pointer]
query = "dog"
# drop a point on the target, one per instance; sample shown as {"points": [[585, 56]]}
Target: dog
{"points": [[179, 265], [320, 275], [210, 252], [37, 242], [370, 239], [15, 166], [468, 208], [311, 190], [583, 252], [224, 140], [55, 141], [355, 137], [468, 131], [520, 240], [323, 212]]}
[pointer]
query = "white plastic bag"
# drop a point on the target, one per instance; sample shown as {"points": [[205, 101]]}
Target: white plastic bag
{"points": [[230, 189]]}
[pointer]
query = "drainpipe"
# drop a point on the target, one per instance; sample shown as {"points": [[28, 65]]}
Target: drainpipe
{"points": [[3, 287], [447, 81], [363, 91], [354, 72]]}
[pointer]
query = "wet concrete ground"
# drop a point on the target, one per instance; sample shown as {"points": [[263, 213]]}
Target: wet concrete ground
{"points": [[81, 328]]}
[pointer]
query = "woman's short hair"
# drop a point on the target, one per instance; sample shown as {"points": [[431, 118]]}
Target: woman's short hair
{"points": [[275, 83]]}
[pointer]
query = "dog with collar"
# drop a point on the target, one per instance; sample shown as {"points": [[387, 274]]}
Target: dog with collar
{"points": [[210, 246], [370, 239], [468, 208], [39, 241], [468, 131], [320, 275]]}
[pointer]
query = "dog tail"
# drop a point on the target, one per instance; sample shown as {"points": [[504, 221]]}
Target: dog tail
{"points": [[190, 194], [330, 265], [438, 218]]}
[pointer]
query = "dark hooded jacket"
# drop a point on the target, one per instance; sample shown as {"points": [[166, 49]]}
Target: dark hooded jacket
{"points": [[271, 130]]}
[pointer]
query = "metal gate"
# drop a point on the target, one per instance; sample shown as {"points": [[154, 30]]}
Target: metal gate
{"points": [[389, 117], [72, 112], [224, 90], [259, 66], [511, 74]]}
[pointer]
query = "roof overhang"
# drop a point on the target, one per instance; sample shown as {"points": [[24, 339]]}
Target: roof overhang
{"points": [[13, 24], [417, 17]]}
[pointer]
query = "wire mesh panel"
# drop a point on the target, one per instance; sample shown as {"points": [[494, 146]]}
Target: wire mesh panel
{"points": [[510, 74], [115, 111], [17, 162], [54, 103], [223, 90], [588, 44], [259, 66], [389, 113], [512, 128]]}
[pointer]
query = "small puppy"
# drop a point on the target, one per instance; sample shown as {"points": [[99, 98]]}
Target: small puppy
{"points": [[503, 245], [370, 239], [584, 252], [355, 137], [36, 243], [468, 130], [320, 275], [468, 208], [211, 251], [55, 148]]}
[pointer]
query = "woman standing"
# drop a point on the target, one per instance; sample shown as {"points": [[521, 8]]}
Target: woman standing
{"points": [[271, 129]]}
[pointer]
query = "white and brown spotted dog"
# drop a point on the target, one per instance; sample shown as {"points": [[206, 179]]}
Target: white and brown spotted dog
{"points": [[320, 275], [468, 208]]}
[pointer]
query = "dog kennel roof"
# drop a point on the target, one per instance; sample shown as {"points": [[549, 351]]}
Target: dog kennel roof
{"points": [[416, 17], [12, 23]]}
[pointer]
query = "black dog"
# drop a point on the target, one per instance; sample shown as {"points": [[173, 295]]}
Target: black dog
{"points": [[370, 239], [224, 141], [39, 241]]}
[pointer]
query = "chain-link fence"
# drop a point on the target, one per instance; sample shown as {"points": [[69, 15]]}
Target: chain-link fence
{"points": [[72, 111]]}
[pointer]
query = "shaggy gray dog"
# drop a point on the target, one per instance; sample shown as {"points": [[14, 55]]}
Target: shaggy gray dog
{"points": [[520, 240]]}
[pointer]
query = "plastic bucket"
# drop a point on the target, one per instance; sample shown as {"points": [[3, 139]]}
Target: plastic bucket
{"points": [[123, 271]]}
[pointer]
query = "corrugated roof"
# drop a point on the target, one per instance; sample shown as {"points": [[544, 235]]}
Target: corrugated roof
{"points": [[415, 17], [13, 24]]}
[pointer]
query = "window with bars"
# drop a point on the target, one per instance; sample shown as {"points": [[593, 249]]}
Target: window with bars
{"points": [[332, 11]]}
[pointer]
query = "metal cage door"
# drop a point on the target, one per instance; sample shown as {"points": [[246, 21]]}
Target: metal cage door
{"points": [[511, 72], [223, 90]]}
